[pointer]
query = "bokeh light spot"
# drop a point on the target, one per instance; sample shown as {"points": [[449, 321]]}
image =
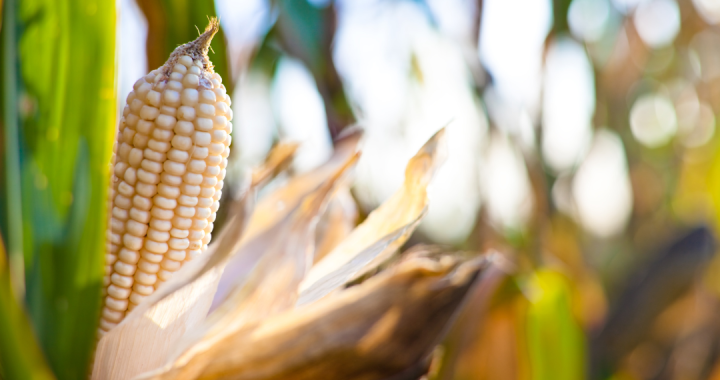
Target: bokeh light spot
{"points": [[601, 187], [658, 22], [588, 19], [652, 120]]}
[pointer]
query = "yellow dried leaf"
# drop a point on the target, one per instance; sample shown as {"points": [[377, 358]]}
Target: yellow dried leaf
{"points": [[384, 231], [277, 160], [336, 223], [275, 206], [386, 326], [283, 257], [266, 221]]}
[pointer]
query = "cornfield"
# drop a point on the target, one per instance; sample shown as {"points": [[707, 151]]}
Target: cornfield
{"points": [[338, 189]]}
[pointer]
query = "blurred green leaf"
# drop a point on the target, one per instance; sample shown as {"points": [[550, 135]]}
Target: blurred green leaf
{"points": [[555, 341], [306, 32], [303, 31], [172, 23], [560, 16], [11, 192], [68, 118], [20, 355]]}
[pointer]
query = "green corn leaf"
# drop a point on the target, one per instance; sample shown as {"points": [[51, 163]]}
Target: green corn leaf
{"points": [[306, 32], [67, 115], [20, 355], [555, 341]]}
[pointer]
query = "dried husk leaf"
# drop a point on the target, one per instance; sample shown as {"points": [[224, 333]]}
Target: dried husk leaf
{"points": [[146, 336], [273, 214], [278, 159], [338, 221], [277, 205], [382, 328], [283, 259], [383, 232], [142, 341], [361, 265]]}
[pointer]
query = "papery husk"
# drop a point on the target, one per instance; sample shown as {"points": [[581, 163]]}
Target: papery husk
{"points": [[143, 340], [336, 224], [384, 328], [256, 243], [276, 262], [278, 204], [255, 289], [147, 336], [266, 221], [383, 232], [278, 159]]}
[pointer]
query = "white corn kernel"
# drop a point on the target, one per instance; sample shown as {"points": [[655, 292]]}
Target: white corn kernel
{"points": [[174, 84], [153, 98], [186, 113], [190, 80], [179, 68], [189, 97]]}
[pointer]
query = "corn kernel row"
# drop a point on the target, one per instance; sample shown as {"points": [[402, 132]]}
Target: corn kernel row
{"points": [[169, 165]]}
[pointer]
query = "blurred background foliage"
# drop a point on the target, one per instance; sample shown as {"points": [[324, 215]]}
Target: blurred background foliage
{"points": [[583, 146]]}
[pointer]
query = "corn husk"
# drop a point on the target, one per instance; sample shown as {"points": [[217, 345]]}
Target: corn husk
{"points": [[365, 311]]}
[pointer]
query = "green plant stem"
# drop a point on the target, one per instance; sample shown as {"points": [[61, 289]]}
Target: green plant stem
{"points": [[12, 152]]}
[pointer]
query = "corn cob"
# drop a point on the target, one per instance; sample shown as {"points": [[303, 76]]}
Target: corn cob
{"points": [[168, 169]]}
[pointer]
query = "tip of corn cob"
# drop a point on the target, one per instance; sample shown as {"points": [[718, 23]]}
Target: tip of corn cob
{"points": [[196, 49]]}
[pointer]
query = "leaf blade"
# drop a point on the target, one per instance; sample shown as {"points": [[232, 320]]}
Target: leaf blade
{"points": [[20, 354], [384, 230], [67, 53]]}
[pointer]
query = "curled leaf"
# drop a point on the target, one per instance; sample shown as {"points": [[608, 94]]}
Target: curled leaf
{"points": [[384, 327], [384, 231], [275, 206], [336, 223], [266, 222], [277, 160]]}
